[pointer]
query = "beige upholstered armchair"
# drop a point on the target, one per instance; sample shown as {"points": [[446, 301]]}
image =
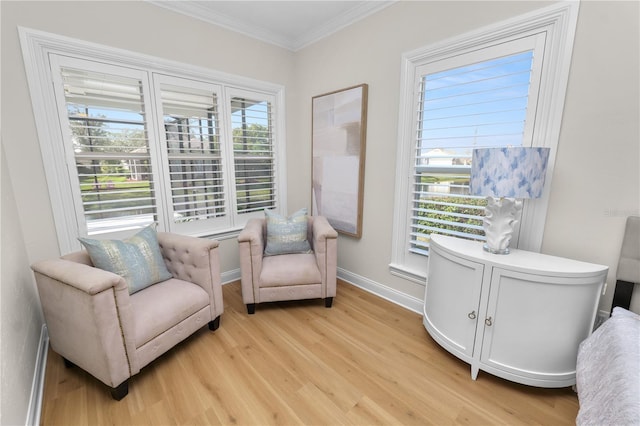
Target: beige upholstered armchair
{"points": [[288, 276], [93, 322]]}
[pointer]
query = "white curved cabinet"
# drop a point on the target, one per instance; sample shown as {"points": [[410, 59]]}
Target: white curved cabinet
{"points": [[519, 316]]}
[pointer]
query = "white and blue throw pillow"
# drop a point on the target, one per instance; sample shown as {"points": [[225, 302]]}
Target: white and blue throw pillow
{"points": [[137, 259], [286, 235]]}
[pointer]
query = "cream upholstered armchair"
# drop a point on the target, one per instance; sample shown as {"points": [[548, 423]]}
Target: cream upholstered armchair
{"points": [[288, 276], [93, 322]]}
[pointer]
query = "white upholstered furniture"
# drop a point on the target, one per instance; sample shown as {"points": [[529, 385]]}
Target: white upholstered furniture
{"points": [[93, 322], [519, 316], [608, 374], [288, 276]]}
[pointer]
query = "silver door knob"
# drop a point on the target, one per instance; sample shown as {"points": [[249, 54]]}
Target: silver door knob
{"points": [[472, 315], [488, 321]]}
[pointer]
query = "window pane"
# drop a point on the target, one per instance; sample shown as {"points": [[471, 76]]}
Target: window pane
{"points": [[107, 119], [474, 106], [254, 158], [193, 145]]}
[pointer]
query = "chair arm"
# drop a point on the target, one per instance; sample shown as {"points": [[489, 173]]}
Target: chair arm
{"points": [[195, 260], [253, 233], [251, 249], [322, 231], [325, 247], [89, 319], [83, 277]]}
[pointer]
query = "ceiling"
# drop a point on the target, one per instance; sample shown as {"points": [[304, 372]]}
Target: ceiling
{"points": [[288, 24]]}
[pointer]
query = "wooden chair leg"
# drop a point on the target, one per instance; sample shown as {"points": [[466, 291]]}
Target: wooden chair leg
{"points": [[251, 308], [120, 391], [215, 324], [328, 302]]}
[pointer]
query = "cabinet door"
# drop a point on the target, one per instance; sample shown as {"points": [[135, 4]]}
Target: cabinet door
{"points": [[451, 301], [534, 324]]}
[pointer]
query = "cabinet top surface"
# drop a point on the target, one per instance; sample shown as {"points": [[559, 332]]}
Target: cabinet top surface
{"points": [[519, 259]]}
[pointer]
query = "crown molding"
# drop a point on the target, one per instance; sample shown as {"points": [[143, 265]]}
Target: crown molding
{"points": [[334, 25], [200, 10]]}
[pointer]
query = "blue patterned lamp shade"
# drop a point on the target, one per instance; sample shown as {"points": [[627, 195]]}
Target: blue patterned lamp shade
{"points": [[505, 176], [508, 172]]}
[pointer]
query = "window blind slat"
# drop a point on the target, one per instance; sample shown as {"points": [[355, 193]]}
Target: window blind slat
{"points": [[478, 105], [195, 166], [148, 207], [107, 122], [254, 157]]}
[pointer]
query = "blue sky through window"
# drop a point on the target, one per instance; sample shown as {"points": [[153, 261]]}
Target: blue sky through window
{"points": [[479, 105]]}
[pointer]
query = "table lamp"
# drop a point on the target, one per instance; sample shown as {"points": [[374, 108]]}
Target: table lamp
{"points": [[506, 176]]}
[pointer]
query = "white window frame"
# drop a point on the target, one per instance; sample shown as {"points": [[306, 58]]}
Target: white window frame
{"points": [[38, 47], [195, 227], [230, 93], [558, 23], [58, 62], [533, 43]]}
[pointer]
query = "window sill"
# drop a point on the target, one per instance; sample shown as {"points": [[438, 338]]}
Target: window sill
{"points": [[402, 271], [221, 235]]}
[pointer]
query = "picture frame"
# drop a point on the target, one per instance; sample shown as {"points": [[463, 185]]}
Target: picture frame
{"points": [[339, 124]]}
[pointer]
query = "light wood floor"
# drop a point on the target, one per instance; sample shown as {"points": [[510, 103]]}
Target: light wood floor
{"points": [[365, 361]]}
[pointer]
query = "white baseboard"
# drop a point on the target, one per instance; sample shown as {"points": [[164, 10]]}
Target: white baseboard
{"points": [[380, 290], [37, 386], [230, 276], [409, 302]]}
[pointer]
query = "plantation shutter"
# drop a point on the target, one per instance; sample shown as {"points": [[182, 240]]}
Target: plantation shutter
{"points": [[190, 118], [253, 153], [478, 105], [108, 129]]}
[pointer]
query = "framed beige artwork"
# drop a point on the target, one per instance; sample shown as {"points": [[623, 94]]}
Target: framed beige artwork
{"points": [[339, 124]]}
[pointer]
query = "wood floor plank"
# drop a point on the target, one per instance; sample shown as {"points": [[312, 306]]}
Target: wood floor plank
{"points": [[365, 361], [368, 412]]}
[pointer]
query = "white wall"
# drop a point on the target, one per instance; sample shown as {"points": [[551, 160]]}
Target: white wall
{"points": [[20, 315], [596, 182], [370, 52]]}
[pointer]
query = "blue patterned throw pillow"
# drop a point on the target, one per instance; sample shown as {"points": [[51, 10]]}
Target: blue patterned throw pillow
{"points": [[137, 259], [286, 235]]}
